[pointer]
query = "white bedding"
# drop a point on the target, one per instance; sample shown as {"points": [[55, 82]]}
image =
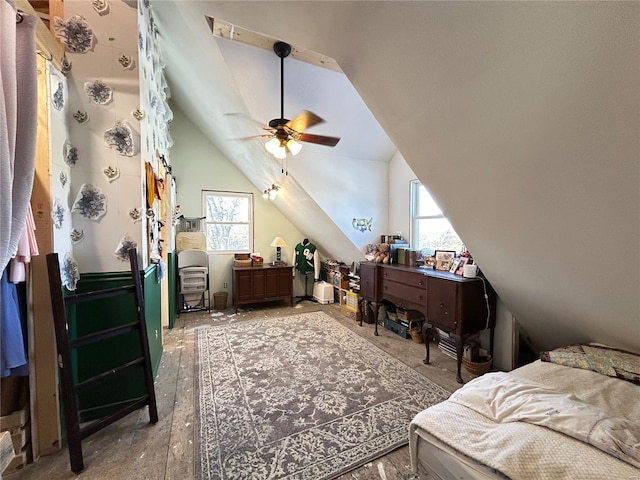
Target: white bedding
{"points": [[523, 450]]}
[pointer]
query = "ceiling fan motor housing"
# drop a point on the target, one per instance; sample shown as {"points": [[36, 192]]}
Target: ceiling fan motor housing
{"points": [[282, 49]]}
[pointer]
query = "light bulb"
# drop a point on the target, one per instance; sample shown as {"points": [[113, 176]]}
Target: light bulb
{"points": [[294, 147], [265, 194], [273, 193]]}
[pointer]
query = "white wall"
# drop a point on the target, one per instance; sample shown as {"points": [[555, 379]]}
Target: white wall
{"points": [[399, 181], [346, 188], [537, 106], [198, 165], [95, 253]]}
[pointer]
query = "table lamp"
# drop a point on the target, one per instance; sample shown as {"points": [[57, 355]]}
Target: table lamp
{"points": [[278, 242]]}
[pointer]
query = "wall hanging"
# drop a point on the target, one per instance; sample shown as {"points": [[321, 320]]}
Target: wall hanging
{"points": [[100, 6], [126, 61], [362, 224], [98, 92], [137, 114], [70, 154], [90, 202], [135, 214], [75, 33], [76, 235], [57, 99], [69, 272], [112, 173], [81, 117], [120, 137], [57, 214], [127, 243]]}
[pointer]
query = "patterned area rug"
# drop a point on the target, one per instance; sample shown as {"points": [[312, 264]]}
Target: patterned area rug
{"points": [[299, 397]]}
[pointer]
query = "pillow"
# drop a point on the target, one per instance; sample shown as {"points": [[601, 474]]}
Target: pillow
{"points": [[609, 361]]}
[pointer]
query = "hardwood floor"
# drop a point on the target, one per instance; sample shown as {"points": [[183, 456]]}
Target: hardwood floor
{"points": [[133, 449]]}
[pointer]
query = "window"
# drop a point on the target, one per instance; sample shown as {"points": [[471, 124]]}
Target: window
{"points": [[228, 221], [430, 229]]}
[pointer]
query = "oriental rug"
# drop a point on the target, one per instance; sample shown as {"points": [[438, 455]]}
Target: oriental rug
{"points": [[299, 397]]}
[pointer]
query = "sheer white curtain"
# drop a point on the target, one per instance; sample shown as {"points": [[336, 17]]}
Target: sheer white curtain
{"points": [[18, 123]]}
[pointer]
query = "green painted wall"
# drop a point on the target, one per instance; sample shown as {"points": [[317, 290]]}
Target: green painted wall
{"points": [[99, 357], [172, 272]]}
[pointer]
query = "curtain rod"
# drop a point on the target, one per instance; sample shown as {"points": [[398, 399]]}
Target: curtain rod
{"points": [[49, 48]]}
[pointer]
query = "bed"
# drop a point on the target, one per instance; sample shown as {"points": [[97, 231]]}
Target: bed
{"points": [[575, 414]]}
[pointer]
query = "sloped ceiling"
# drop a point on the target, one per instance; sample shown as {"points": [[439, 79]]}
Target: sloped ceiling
{"points": [[522, 118]]}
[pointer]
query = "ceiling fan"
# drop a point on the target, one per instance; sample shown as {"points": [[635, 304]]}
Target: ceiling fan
{"points": [[285, 135]]}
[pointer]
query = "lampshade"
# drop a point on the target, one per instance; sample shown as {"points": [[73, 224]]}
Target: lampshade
{"points": [[272, 145], [294, 147], [275, 148], [278, 242]]}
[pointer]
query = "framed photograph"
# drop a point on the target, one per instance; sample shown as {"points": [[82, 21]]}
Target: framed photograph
{"points": [[454, 265], [444, 259], [461, 264]]}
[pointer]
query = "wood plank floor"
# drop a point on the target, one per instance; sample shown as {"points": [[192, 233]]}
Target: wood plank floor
{"points": [[133, 449]]}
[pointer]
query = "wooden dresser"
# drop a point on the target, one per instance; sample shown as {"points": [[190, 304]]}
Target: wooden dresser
{"points": [[454, 304], [265, 283]]}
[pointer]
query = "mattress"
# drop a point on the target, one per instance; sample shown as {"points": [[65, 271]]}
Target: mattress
{"points": [[453, 441]]}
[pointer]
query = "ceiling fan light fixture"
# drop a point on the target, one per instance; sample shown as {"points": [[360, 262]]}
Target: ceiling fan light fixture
{"points": [[294, 147], [272, 146], [280, 153]]}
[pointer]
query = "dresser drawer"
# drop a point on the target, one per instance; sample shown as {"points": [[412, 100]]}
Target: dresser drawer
{"points": [[442, 301], [413, 279], [404, 296]]}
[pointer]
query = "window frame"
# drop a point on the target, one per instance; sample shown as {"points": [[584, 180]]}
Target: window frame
{"points": [[249, 222], [415, 218]]}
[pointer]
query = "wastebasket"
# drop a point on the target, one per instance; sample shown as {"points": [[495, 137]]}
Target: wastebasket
{"points": [[220, 300]]}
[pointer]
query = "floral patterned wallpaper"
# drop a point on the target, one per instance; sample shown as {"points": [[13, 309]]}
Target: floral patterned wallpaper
{"points": [[109, 117]]}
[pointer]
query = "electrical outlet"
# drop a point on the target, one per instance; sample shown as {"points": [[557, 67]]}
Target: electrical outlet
{"points": [[226, 285]]}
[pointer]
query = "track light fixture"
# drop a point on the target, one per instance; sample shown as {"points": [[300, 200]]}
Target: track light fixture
{"points": [[271, 192]]}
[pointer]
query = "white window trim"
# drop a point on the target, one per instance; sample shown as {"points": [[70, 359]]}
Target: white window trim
{"points": [[222, 193], [415, 187]]}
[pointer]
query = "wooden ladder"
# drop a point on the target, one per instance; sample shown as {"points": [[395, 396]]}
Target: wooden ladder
{"points": [[70, 388]]}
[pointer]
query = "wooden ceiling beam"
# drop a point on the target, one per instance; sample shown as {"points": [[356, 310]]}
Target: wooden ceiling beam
{"points": [[222, 29]]}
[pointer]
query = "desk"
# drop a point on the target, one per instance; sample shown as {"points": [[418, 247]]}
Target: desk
{"points": [[265, 283], [452, 303]]}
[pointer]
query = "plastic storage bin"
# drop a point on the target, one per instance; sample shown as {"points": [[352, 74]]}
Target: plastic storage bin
{"points": [[323, 292]]}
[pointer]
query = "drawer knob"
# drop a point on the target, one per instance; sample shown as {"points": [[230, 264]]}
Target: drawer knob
{"points": [[442, 305]]}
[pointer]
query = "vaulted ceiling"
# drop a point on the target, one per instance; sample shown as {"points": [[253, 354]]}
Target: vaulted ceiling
{"points": [[521, 117]]}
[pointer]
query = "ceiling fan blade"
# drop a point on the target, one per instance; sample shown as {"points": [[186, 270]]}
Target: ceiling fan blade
{"points": [[319, 139], [304, 120], [251, 119], [252, 137]]}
